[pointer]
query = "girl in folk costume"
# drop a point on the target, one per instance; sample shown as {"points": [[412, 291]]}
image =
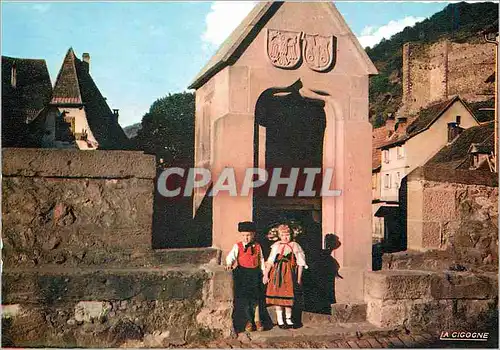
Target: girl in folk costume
{"points": [[285, 264], [247, 262]]}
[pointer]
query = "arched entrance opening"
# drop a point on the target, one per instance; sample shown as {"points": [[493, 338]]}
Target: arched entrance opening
{"points": [[289, 134]]}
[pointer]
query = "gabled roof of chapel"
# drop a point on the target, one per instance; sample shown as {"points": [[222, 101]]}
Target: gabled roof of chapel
{"points": [[239, 40]]}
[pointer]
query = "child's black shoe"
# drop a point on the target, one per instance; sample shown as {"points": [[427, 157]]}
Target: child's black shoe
{"points": [[289, 323]]}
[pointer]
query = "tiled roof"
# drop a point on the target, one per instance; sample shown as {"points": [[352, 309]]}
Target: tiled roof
{"points": [[33, 87], [248, 29], [74, 85], [66, 89], [428, 115], [484, 111], [454, 155], [21, 103], [423, 120], [379, 137], [400, 134]]}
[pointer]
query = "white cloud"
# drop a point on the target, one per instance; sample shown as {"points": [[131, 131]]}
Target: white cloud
{"points": [[367, 30], [223, 18], [42, 8], [370, 36]]}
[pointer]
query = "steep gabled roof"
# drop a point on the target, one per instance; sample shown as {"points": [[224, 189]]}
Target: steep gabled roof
{"points": [[75, 86], [424, 120], [454, 155], [239, 40], [22, 102], [484, 111], [379, 137], [33, 87], [66, 88]]}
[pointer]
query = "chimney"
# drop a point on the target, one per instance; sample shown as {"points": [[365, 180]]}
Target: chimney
{"points": [[389, 123], [401, 121], [86, 61], [453, 131], [13, 75], [115, 114]]}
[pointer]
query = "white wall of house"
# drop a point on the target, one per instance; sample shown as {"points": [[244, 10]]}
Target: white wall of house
{"points": [[394, 168], [78, 119], [425, 145], [400, 160]]}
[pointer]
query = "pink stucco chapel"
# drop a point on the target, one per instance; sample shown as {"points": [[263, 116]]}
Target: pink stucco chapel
{"points": [[306, 53]]}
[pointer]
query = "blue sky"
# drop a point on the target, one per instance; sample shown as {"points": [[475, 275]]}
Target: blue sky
{"points": [[141, 51]]}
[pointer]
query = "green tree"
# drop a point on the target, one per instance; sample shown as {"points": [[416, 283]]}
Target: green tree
{"points": [[167, 130]]}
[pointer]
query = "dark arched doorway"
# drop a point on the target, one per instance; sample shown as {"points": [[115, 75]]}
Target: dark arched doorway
{"points": [[289, 133]]}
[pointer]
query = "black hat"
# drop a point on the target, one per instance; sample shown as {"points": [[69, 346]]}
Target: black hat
{"points": [[247, 226]]}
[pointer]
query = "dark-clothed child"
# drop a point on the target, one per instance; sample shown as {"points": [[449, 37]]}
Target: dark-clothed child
{"points": [[247, 262]]}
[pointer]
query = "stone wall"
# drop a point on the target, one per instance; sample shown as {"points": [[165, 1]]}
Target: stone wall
{"points": [[78, 267], [74, 208], [458, 215], [432, 72], [433, 301], [112, 307]]}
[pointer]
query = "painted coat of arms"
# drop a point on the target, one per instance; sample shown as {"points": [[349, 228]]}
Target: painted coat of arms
{"points": [[320, 51], [283, 48]]}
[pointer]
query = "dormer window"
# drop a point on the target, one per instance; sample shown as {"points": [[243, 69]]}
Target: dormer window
{"points": [[13, 76]]}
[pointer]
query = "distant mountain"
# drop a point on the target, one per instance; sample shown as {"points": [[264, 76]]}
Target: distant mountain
{"points": [[461, 22], [131, 130]]}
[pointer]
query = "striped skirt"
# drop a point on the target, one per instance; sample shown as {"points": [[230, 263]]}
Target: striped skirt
{"points": [[282, 280]]}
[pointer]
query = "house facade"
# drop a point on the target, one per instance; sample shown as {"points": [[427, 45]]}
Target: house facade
{"points": [[455, 194], [72, 114], [399, 147], [26, 90], [416, 139], [78, 116]]}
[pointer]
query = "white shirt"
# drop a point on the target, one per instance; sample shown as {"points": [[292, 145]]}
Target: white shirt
{"points": [[291, 246], [233, 256]]}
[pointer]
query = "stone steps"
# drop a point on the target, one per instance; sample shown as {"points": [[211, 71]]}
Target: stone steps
{"points": [[351, 312], [318, 332], [430, 300], [181, 256]]}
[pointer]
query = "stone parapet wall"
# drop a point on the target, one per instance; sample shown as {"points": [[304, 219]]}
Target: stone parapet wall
{"points": [[457, 214], [78, 265], [436, 260], [38, 162], [165, 307], [458, 176], [75, 208], [431, 301]]}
